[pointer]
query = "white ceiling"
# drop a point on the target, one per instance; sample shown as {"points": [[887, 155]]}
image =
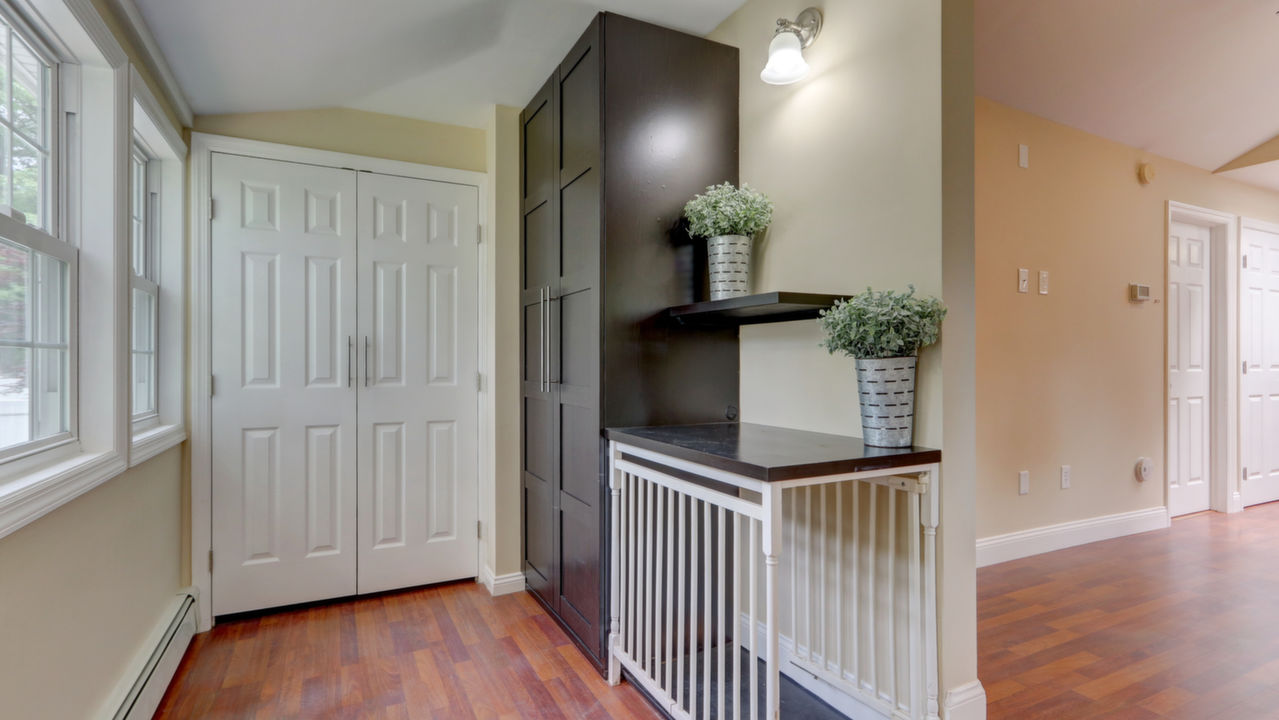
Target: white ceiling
{"points": [[1192, 80], [440, 60]]}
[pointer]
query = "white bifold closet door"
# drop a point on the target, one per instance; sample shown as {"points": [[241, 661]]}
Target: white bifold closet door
{"points": [[418, 401], [344, 356], [1259, 346]]}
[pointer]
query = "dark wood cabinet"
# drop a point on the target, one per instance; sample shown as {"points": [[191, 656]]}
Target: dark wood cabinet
{"points": [[635, 120]]}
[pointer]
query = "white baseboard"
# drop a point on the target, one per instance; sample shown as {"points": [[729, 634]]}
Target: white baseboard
{"points": [[138, 694], [966, 702], [1235, 503], [501, 584], [1002, 548]]}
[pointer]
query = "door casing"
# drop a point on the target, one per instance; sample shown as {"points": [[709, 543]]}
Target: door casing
{"points": [[203, 146]]}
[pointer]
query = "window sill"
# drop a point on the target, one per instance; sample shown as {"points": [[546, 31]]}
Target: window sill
{"points": [[153, 441], [34, 494]]}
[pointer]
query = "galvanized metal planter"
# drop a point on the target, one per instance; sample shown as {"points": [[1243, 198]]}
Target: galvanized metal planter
{"points": [[887, 390], [729, 261]]}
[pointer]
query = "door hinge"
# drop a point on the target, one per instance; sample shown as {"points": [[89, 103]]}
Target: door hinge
{"points": [[210, 560], [1245, 261], [479, 382], [479, 233], [479, 530], [211, 210], [1245, 473], [212, 383], [1245, 366]]}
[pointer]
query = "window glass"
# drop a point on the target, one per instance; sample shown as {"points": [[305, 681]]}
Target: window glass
{"points": [[144, 298], [144, 370], [25, 93], [34, 346]]}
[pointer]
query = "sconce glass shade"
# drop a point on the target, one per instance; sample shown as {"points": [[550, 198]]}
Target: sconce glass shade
{"points": [[786, 62]]}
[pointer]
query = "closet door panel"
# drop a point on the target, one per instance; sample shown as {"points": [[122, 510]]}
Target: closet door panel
{"points": [[284, 415], [418, 410]]}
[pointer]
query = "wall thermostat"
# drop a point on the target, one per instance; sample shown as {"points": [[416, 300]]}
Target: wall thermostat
{"points": [[1138, 293], [1143, 469]]}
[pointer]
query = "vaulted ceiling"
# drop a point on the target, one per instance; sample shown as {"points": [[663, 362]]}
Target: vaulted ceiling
{"points": [[440, 60], [1192, 80]]}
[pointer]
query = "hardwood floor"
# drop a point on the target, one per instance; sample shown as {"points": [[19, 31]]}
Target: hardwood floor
{"points": [[448, 651], [1180, 623]]}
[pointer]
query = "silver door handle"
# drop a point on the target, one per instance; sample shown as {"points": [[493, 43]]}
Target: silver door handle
{"points": [[350, 370], [550, 345], [366, 361]]}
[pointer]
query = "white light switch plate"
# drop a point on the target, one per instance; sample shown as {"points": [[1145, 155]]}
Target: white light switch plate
{"points": [[1023, 482], [1065, 477], [1023, 156], [1043, 282], [1023, 280]]}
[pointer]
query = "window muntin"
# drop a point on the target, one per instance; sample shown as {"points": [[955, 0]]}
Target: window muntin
{"points": [[144, 290], [27, 78]]}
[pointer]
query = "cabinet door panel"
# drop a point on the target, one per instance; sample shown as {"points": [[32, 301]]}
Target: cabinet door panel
{"points": [[582, 573], [539, 271], [576, 351]]}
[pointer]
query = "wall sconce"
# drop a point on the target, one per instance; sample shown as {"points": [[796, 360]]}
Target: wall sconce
{"points": [[786, 62]]}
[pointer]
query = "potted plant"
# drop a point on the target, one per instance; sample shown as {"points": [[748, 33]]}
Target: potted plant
{"points": [[729, 218], [883, 332]]}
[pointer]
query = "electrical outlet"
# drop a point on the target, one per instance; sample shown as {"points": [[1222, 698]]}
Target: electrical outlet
{"points": [[1065, 477], [1023, 482], [1023, 156], [1023, 280]]}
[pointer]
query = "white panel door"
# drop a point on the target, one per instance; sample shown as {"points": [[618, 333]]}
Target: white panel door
{"points": [[284, 406], [1189, 351], [418, 285], [1259, 340]]}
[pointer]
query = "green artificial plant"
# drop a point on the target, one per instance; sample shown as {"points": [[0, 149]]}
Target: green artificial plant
{"points": [[726, 210], [882, 324]]}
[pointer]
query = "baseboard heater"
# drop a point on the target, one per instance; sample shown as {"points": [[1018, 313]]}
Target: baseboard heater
{"points": [[147, 691]]}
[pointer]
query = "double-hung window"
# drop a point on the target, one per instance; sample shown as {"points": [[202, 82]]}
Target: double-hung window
{"points": [[38, 270], [144, 289]]}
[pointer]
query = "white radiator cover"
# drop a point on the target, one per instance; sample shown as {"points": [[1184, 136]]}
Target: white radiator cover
{"points": [[142, 689]]}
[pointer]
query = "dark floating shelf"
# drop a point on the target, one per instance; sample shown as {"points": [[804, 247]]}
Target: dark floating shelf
{"points": [[753, 309]]}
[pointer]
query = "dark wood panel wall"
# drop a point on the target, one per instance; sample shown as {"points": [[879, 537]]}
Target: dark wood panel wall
{"points": [[634, 121]]}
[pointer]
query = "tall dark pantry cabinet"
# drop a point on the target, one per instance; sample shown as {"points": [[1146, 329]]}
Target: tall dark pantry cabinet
{"points": [[634, 121]]}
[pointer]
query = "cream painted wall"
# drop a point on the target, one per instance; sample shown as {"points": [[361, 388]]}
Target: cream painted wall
{"points": [[503, 552], [1075, 377], [359, 133], [851, 157], [83, 587]]}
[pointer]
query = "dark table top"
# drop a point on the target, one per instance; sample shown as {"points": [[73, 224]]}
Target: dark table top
{"points": [[770, 453]]}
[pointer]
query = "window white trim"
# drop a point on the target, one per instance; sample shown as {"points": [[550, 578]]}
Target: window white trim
{"points": [[99, 157], [167, 176], [201, 431]]}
